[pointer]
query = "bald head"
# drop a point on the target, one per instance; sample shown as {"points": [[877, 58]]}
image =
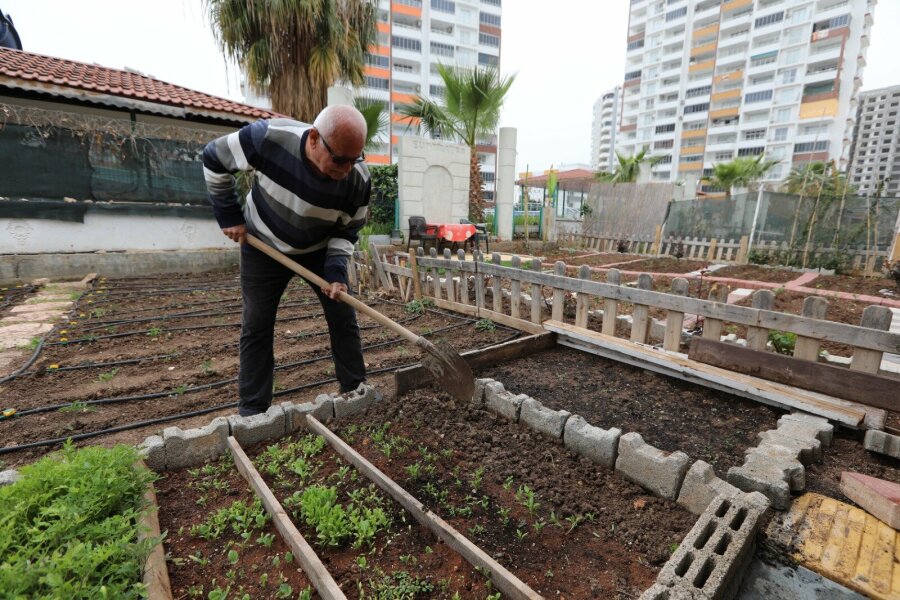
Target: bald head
{"points": [[343, 122]]}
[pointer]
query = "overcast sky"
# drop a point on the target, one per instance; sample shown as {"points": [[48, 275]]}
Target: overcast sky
{"points": [[566, 53]]}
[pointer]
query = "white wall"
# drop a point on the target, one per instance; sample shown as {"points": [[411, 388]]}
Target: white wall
{"points": [[433, 180]]}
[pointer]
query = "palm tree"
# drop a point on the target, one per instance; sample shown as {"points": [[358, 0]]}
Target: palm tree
{"points": [[469, 111], [375, 113], [740, 172], [628, 169], [293, 50], [818, 178]]}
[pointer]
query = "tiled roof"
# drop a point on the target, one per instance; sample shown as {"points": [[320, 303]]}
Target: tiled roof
{"points": [[575, 176], [33, 71]]}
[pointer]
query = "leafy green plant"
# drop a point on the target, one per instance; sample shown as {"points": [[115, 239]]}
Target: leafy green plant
{"points": [[240, 517], [79, 406], [783, 341], [154, 331], [417, 307], [335, 524], [67, 527], [108, 376], [485, 325]]}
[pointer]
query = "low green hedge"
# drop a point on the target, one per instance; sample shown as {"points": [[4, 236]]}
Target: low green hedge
{"points": [[68, 527]]}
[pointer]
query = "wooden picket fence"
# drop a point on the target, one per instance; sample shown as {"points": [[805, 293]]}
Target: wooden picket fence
{"points": [[446, 280], [722, 250]]}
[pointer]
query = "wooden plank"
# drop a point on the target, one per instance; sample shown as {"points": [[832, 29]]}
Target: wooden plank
{"points": [[515, 294], [675, 319], [484, 313], [610, 306], [758, 337], [414, 267], [506, 582], [712, 328], [872, 390], [559, 294], [496, 289], [869, 361], [846, 412], [536, 296], [156, 574], [479, 280], [463, 278], [379, 267], [448, 277], [807, 348], [841, 333], [416, 376], [583, 301], [435, 278], [312, 566], [640, 326]]}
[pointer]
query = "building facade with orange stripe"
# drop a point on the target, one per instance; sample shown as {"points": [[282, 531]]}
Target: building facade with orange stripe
{"points": [[707, 81]]}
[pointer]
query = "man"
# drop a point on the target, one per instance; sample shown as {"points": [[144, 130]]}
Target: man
{"points": [[309, 200]]}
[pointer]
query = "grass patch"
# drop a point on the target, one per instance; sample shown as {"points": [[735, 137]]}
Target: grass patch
{"points": [[68, 527]]}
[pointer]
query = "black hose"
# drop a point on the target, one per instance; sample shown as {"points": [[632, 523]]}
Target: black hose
{"points": [[28, 363]]}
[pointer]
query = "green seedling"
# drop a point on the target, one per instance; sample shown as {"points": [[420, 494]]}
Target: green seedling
{"points": [[521, 534], [477, 478], [574, 521], [79, 406], [503, 513], [485, 325], [108, 376], [508, 483], [154, 332], [414, 470]]}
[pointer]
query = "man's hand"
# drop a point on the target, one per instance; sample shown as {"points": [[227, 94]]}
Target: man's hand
{"points": [[238, 233], [333, 289]]}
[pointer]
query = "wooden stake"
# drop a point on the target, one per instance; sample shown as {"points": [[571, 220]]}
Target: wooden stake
{"points": [[758, 337], [559, 294], [610, 306], [807, 348], [515, 296], [640, 326], [156, 575], [414, 265], [869, 361], [674, 319]]}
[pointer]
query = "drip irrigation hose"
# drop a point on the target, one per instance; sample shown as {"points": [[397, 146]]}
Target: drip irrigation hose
{"points": [[16, 294], [103, 365], [28, 363], [193, 413]]}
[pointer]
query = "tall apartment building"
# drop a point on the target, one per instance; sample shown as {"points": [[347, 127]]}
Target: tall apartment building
{"points": [[414, 37], [710, 80], [607, 110], [875, 155]]}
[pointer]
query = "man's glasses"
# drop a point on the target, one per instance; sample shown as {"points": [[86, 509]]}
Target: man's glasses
{"points": [[341, 160]]}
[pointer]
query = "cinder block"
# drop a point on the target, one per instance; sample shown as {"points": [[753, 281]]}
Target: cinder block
{"points": [[772, 471], [478, 394], [322, 408], [9, 477], [540, 418], [253, 430], [650, 467], [195, 446], [817, 427], [713, 557], [879, 497], [599, 445], [701, 486], [807, 449], [506, 404], [356, 401], [153, 451], [883, 443]]}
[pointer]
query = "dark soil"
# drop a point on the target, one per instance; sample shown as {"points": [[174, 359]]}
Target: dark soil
{"points": [[869, 286], [187, 499], [170, 353], [590, 533], [758, 273], [668, 413], [666, 265], [848, 454], [603, 259]]}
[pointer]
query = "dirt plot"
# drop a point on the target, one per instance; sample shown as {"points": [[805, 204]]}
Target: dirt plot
{"points": [[563, 525], [870, 286], [758, 273], [219, 537], [603, 259], [848, 454], [668, 413], [666, 265], [170, 347]]}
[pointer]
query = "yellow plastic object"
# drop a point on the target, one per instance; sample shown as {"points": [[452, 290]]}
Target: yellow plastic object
{"points": [[841, 542], [7, 413]]}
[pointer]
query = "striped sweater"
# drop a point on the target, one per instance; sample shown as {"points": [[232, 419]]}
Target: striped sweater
{"points": [[290, 206]]}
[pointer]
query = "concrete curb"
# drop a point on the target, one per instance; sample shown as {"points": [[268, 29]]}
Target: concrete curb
{"points": [[713, 556], [650, 467], [506, 404], [599, 445], [195, 446], [322, 408], [883, 443], [701, 486], [540, 418], [8, 477], [252, 430], [356, 401]]}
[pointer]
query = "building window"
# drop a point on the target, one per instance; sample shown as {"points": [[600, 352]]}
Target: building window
{"points": [[487, 59], [663, 160], [780, 134], [416, 3], [754, 134], [437, 90], [377, 83], [489, 19], [811, 147], [665, 128], [769, 19], [635, 44], [788, 76], [756, 151], [444, 6], [632, 75], [766, 58], [840, 21], [491, 2], [698, 91], [488, 39], [663, 144], [440, 49], [375, 60], [818, 88], [676, 14], [406, 43], [693, 126], [758, 96], [695, 108]]}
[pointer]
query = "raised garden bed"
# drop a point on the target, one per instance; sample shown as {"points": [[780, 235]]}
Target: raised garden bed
{"points": [[603, 259], [848, 454], [758, 273], [666, 265], [562, 524], [869, 286]]}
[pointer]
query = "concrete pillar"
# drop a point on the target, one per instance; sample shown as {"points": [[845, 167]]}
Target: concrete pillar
{"points": [[340, 95], [505, 183]]}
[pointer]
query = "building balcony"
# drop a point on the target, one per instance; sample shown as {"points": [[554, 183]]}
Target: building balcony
{"points": [[704, 32], [731, 5], [737, 75], [708, 48], [726, 95], [699, 67], [829, 34], [693, 133]]}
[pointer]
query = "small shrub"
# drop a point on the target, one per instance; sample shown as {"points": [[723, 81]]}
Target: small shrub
{"points": [[418, 307], [758, 257], [783, 341], [485, 325]]}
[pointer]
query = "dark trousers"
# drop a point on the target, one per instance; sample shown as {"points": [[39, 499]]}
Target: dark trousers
{"points": [[263, 282]]}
